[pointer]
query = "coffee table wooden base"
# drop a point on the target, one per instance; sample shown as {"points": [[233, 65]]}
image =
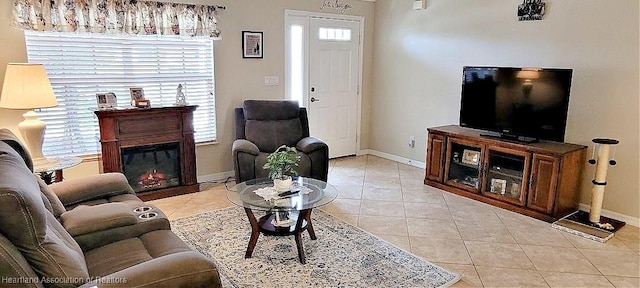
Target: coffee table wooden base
{"points": [[264, 225]]}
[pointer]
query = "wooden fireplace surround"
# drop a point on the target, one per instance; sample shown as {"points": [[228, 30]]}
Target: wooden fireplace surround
{"points": [[141, 127]]}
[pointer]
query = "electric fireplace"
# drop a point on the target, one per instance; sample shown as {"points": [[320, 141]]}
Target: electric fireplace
{"points": [[151, 167], [154, 148]]}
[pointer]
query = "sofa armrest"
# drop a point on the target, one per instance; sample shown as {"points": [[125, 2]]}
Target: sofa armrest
{"points": [[310, 144], [183, 269], [99, 225], [74, 191], [246, 146], [89, 219]]}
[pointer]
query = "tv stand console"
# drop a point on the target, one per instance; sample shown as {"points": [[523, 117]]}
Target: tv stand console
{"points": [[541, 180]]}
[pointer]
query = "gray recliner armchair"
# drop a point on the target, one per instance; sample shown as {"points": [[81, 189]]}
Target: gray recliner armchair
{"points": [[262, 126]]}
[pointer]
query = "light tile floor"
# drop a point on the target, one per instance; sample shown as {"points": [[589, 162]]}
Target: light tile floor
{"points": [[489, 246]]}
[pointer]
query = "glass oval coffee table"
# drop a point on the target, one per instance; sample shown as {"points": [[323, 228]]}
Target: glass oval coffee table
{"points": [[288, 213]]}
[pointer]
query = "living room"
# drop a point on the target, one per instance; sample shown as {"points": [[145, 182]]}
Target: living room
{"points": [[411, 71]]}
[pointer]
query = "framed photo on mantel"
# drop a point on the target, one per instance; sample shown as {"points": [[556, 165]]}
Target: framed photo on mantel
{"points": [[137, 93], [106, 100], [137, 98]]}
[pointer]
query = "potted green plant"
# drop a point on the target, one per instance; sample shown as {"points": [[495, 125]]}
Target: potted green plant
{"points": [[281, 165]]}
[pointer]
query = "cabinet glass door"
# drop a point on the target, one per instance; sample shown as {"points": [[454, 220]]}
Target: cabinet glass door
{"points": [[506, 175], [463, 165]]}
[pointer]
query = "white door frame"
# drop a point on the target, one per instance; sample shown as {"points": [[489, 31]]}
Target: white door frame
{"points": [[305, 96]]}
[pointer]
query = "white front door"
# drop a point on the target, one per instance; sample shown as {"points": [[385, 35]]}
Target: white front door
{"points": [[333, 83]]}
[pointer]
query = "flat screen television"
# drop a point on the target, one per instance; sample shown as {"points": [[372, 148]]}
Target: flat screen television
{"points": [[522, 104]]}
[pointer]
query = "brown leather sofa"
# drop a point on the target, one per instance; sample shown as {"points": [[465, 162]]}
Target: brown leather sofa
{"points": [[90, 232], [262, 126]]}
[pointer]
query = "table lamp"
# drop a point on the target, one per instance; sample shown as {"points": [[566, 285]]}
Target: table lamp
{"points": [[26, 86]]}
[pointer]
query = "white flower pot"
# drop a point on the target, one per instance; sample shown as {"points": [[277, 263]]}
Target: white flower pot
{"points": [[282, 185]]}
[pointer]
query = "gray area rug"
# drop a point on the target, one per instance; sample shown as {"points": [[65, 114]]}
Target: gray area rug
{"points": [[342, 256]]}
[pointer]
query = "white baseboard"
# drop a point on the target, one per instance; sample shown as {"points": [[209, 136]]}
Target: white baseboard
{"points": [[633, 221], [217, 177], [398, 159]]}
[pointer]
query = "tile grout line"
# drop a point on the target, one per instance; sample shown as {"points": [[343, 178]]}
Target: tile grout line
{"points": [[473, 264], [535, 268]]}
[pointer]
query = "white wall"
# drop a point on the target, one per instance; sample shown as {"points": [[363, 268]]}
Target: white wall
{"points": [[419, 54], [237, 79]]}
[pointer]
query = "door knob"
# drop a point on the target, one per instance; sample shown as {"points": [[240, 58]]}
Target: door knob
{"points": [[313, 99]]}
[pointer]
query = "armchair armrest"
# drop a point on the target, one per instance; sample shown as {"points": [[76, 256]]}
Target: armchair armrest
{"points": [[74, 191], [184, 269], [318, 153], [246, 146], [244, 153], [310, 144]]}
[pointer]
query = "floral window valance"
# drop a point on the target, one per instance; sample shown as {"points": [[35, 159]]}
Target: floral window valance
{"points": [[116, 16]]}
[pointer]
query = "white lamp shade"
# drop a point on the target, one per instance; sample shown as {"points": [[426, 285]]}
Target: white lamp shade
{"points": [[26, 86]]}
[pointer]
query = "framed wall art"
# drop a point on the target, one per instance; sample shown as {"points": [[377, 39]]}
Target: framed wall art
{"points": [[252, 44], [531, 10]]}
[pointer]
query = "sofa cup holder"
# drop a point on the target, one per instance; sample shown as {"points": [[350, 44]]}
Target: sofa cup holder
{"points": [[142, 209], [148, 215]]}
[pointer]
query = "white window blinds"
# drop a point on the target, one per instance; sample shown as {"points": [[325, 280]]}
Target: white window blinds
{"points": [[81, 65]]}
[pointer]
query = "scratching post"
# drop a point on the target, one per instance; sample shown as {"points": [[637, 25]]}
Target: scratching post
{"points": [[591, 224], [600, 179]]}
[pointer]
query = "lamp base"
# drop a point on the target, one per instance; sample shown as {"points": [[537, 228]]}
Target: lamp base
{"points": [[32, 131]]}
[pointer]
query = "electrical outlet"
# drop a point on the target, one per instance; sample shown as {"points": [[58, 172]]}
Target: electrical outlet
{"points": [[412, 141], [271, 80]]}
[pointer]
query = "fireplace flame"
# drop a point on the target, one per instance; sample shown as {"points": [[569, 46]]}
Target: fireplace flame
{"points": [[152, 179]]}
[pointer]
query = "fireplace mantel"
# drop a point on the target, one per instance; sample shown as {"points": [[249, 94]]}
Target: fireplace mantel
{"points": [[121, 129]]}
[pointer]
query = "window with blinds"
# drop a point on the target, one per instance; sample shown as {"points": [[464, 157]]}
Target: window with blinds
{"points": [[81, 65]]}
